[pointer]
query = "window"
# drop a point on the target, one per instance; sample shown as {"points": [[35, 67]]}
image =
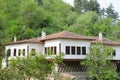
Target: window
{"points": [[55, 51], [48, 51], [33, 52], [45, 50], [8, 52], [14, 52], [84, 50], [114, 53], [73, 50], [78, 50], [19, 52], [23, 52], [52, 50], [68, 50]]}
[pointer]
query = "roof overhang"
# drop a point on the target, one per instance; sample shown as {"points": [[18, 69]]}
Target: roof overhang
{"points": [[20, 42]]}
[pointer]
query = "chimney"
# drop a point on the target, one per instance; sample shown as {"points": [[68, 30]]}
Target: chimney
{"points": [[100, 36], [43, 35], [15, 39]]}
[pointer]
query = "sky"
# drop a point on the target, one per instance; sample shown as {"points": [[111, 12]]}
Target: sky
{"points": [[104, 3]]}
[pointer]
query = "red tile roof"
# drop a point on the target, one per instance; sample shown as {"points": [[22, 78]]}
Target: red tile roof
{"points": [[66, 35], [33, 40], [105, 42]]}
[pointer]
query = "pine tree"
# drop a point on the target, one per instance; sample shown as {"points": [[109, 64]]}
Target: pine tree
{"points": [[111, 13], [82, 6]]}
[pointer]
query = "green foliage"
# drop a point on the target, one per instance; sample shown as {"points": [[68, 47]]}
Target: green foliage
{"points": [[37, 67], [84, 23], [104, 25], [31, 14], [5, 72], [82, 6], [111, 13], [0, 62], [33, 53], [27, 18], [99, 64], [115, 32], [68, 78]]}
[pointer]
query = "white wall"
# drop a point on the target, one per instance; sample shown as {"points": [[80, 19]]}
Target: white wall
{"points": [[38, 47], [17, 47], [68, 42], [50, 43], [27, 46], [117, 48], [71, 42]]}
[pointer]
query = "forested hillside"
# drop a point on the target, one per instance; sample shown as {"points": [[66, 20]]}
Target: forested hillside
{"points": [[27, 18]]}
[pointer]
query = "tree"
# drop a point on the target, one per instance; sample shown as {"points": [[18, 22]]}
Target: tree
{"points": [[115, 32], [31, 14], [111, 13], [82, 6], [3, 33], [40, 2], [93, 5], [0, 62], [34, 66], [84, 23], [102, 13], [98, 63], [78, 6], [104, 25]]}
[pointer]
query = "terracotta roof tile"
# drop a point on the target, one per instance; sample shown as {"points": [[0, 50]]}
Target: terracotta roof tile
{"points": [[105, 42], [33, 40], [66, 35]]}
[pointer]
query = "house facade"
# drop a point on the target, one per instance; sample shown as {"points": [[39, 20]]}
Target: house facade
{"points": [[74, 46]]}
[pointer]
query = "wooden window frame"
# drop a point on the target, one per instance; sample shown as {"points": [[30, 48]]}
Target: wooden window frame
{"points": [[45, 50], [15, 52], [55, 50], [73, 50], [8, 52], [19, 52], [67, 50], [114, 53], [83, 50], [23, 52], [51, 49], [78, 50]]}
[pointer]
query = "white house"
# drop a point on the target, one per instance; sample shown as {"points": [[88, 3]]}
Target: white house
{"points": [[74, 46]]}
